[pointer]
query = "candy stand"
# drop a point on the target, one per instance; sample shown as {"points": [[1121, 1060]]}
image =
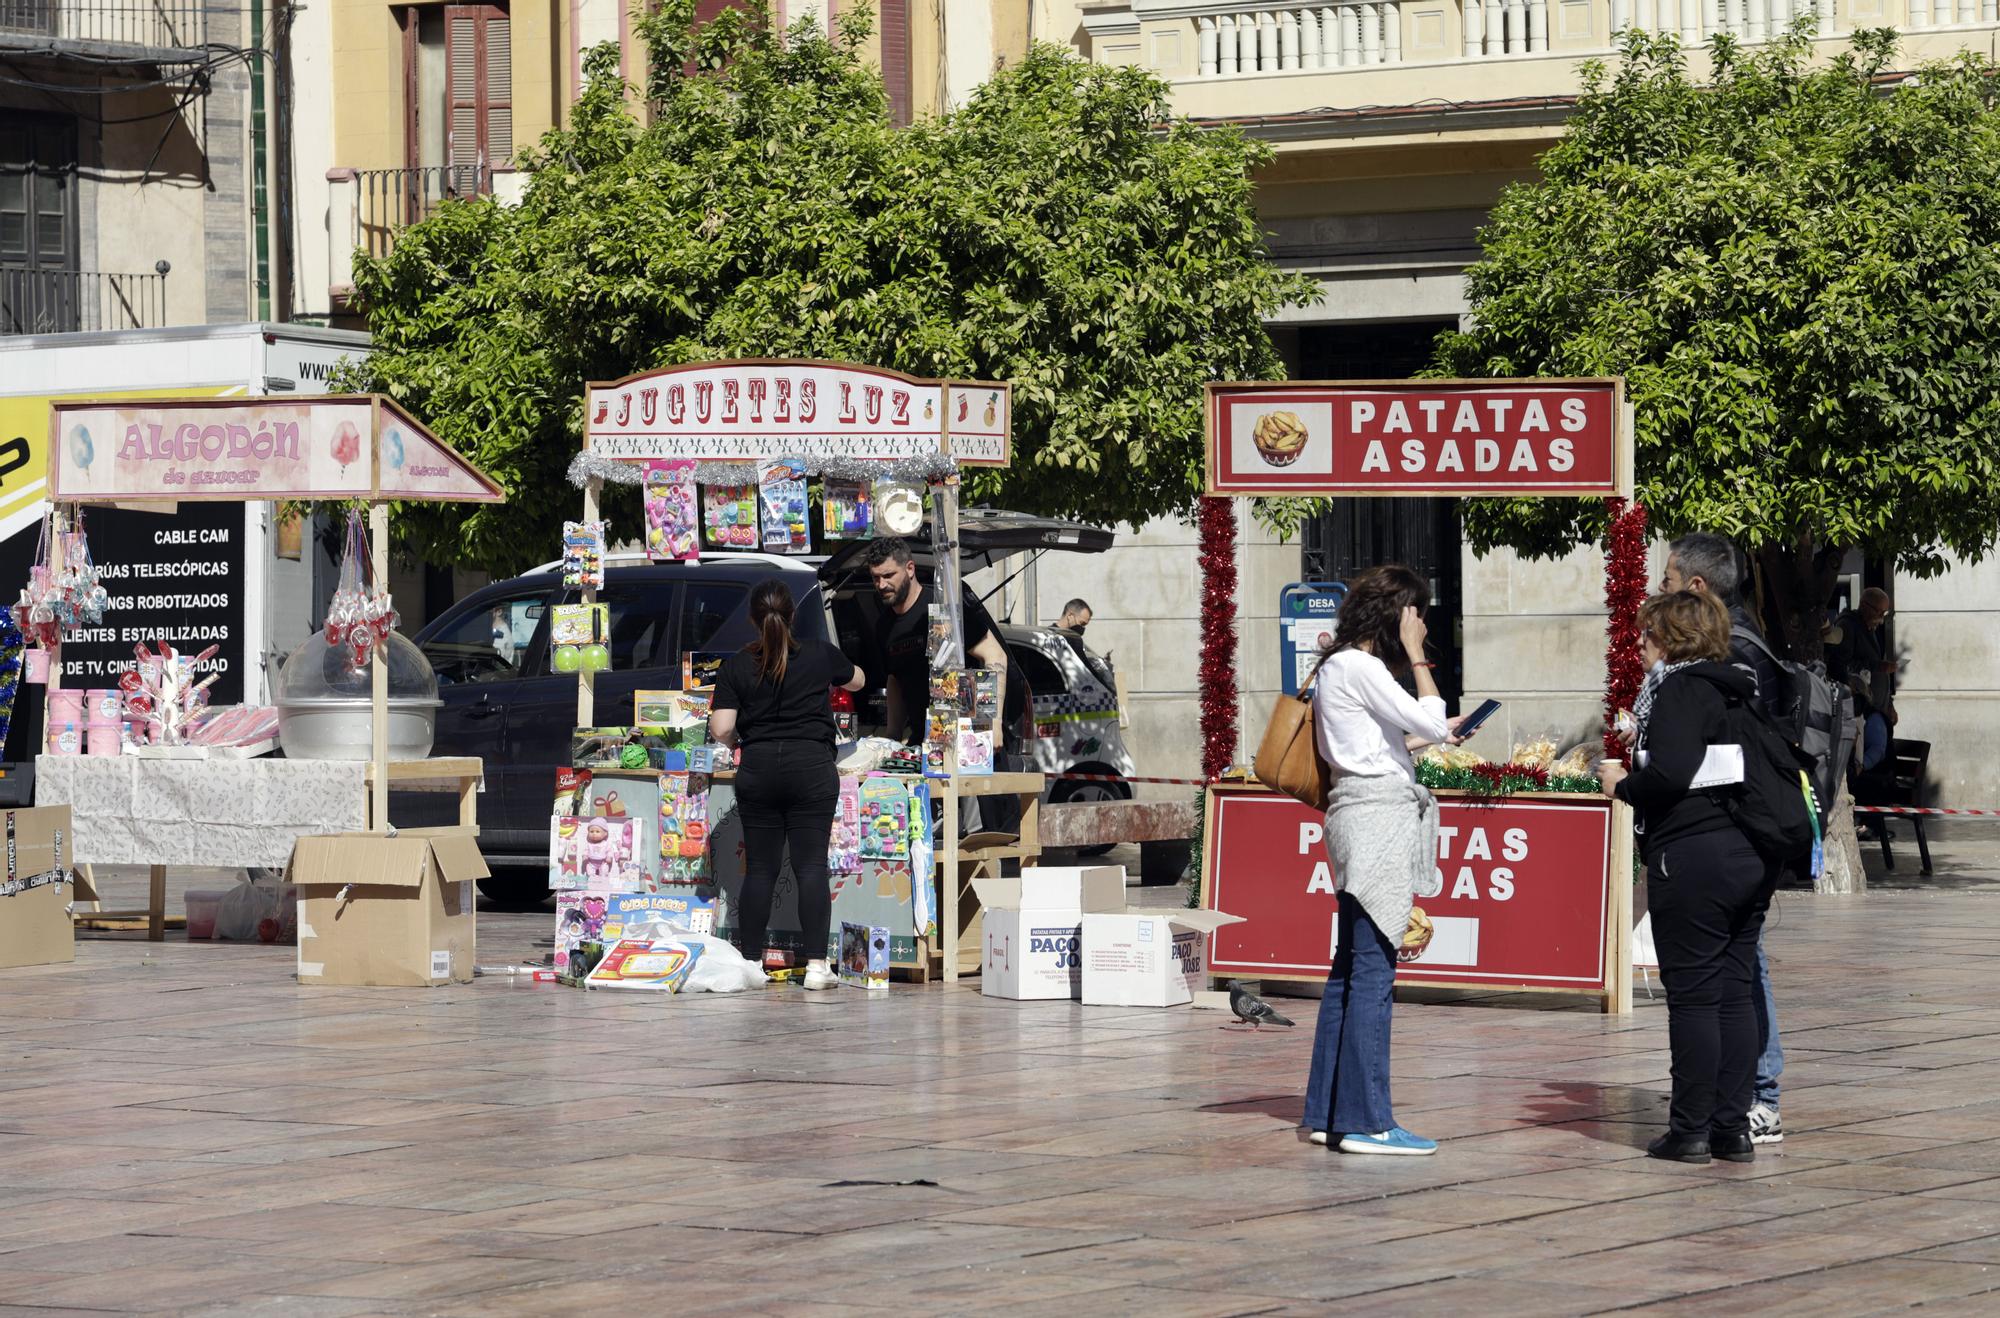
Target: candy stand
{"points": [[184, 785], [732, 456], [1533, 887]]}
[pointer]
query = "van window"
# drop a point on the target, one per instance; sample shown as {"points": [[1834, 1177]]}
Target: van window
{"points": [[1044, 678], [487, 643], [708, 605], [642, 615]]}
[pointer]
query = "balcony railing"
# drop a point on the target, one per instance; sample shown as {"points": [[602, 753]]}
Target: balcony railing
{"points": [[160, 24], [1237, 39], [65, 301], [388, 200]]}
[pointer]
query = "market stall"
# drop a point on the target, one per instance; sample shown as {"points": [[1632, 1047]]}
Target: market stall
{"points": [[167, 780], [1533, 889], [732, 457]]}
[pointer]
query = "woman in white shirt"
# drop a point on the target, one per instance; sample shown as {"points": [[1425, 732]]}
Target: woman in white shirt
{"points": [[1381, 837]]}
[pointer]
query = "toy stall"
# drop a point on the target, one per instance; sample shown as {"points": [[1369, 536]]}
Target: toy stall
{"points": [[748, 457], [154, 775], [1533, 886]]}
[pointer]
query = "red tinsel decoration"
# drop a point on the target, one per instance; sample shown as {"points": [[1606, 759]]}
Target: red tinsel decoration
{"points": [[1218, 636], [1624, 592]]}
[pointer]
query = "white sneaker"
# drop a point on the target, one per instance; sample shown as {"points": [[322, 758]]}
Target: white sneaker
{"points": [[1317, 1137], [820, 976], [1765, 1125]]}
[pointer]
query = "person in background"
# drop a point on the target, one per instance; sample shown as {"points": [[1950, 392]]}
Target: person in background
{"points": [[1707, 888], [1381, 837], [1075, 617], [771, 700], [1707, 564], [1859, 661]]}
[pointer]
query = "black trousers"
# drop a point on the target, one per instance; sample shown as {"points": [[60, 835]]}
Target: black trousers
{"points": [[1708, 895], [786, 794]]}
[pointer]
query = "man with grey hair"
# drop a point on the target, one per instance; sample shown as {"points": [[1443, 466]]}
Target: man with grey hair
{"points": [[1859, 661], [1707, 563]]}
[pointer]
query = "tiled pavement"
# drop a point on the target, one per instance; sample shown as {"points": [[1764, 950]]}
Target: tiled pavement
{"points": [[183, 1129]]}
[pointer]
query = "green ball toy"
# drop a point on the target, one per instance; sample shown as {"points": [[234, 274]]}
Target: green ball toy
{"points": [[631, 757], [597, 658], [568, 659]]}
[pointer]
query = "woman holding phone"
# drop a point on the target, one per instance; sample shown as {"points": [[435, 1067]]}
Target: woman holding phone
{"points": [[1381, 835], [772, 699]]}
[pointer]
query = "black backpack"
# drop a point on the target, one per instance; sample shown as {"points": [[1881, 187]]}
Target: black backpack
{"points": [[1815, 714], [1772, 806]]}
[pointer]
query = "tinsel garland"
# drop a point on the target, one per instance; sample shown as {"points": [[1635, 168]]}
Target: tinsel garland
{"points": [[1218, 636], [928, 467], [1487, 783], [12, 643], [1624, 592]]}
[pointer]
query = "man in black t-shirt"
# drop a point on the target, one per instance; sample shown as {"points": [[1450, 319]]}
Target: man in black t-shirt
{"points": [[903, 635]]}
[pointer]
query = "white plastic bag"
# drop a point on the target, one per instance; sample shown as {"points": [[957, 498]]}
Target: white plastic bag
{"points": [[245, 907], [721, 969]]}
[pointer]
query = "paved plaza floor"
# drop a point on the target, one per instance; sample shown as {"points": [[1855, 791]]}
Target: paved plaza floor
{"points": [[184, 1129]]}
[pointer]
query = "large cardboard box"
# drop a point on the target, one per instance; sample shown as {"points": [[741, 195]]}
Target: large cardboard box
{"points": [[397, 911], [1032, 928], [35, 892], [1155, 959]]}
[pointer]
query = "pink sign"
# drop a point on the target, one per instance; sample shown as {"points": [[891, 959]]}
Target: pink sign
{"points": [[357, 447]]}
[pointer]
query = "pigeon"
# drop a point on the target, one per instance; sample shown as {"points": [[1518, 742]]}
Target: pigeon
{"points": [[1249, 1007]]}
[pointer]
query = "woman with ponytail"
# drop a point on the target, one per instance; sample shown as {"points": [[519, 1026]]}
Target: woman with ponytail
{"points": [[772, 699]]}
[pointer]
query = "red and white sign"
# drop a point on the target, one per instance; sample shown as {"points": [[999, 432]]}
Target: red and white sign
{"points": [[1459, 438], [752, 411], [1519, 899], [347, 447]]}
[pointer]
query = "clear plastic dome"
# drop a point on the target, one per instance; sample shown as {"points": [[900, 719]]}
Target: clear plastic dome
{"points": [[319, 671]]}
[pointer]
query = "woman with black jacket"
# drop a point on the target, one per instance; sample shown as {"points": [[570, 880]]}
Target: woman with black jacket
{"points": [[1706, 886]]}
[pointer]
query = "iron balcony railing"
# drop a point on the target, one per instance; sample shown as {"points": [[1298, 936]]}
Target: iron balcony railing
{"points": [[160, 24], [388, 200], [66, 301]]}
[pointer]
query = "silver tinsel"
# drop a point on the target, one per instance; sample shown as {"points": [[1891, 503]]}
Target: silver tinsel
{"points": [[927, 469]]}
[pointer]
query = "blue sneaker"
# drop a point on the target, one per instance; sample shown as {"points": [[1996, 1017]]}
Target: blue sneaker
{"points": [[1397, 1141]]}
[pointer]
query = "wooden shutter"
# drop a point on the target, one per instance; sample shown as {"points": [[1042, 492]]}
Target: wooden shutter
{"points": [[479, 97], [896, 58]]}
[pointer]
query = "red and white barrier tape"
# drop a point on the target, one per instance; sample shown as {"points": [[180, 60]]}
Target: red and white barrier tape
{"points": [[1922, 810], [1121, 778]]}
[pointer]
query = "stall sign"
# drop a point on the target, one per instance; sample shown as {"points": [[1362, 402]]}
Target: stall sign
{"points": [[1458, 438], [348, 447], [1307, 611], [1518, 898], [753, 411]]}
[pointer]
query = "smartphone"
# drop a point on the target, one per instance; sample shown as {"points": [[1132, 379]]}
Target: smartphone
{"points": [[1486, 710]]}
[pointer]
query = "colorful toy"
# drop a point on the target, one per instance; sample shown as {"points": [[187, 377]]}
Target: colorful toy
{"points": [[781, 488], [847, 509], [729, 516], [671, 519], [583, 555]]}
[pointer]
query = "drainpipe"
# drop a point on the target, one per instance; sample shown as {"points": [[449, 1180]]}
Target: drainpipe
{"points": [[260, 199]]}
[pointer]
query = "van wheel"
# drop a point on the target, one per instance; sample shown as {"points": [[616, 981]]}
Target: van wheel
{"points": [[1070, 791], [516, 888]]}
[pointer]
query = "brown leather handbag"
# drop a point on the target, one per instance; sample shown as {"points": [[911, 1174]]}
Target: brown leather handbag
{"points": [[1288, 759]]}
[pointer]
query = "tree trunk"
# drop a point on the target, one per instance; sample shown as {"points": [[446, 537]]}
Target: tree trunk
{"points": [[1843, 849]]}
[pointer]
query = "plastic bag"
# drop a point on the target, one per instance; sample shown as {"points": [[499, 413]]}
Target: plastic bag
{"points": [[243, 910], [868, 755], [721, 969]]}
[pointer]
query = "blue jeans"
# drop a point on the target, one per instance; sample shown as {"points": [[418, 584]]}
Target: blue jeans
{"points": [[1874, 741], [1350, 1062], [1771, 1061]]}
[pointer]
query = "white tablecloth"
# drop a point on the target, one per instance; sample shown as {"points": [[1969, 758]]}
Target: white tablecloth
{"points": [[229, 814]]}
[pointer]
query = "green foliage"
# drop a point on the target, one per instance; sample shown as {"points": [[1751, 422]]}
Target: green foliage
{"points": [[1797, 270], [1060, 231]]}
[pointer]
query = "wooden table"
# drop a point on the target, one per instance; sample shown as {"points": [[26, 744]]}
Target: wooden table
{"points": [[462, 775]]}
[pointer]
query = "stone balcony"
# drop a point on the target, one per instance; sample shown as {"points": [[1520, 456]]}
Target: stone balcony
{"points": [[1358, 57]]}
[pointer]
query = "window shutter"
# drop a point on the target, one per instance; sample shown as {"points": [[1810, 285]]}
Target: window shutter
{"points": [[479, 71]]}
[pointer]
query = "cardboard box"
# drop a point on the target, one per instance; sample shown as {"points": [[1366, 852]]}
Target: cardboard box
{"points": [[1032, 928], [1154, 959], [35, 892], [393, 911]]}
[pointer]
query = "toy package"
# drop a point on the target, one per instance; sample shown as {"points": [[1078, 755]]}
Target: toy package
{"points": [[643, 747], [947, 686], [582, 959], [940, 730], [729, 515], [583, 555], [672, 522], [986, 702], [847, 509], [662, 966], [579, 919], [656, 914], [781, 490], [595, 855], [975, 749], [937, 641], [864, 955], [683, 816], [885, 819], [699, 671], [923, 896], [579, 624], [569, 782], [843, 850]]}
